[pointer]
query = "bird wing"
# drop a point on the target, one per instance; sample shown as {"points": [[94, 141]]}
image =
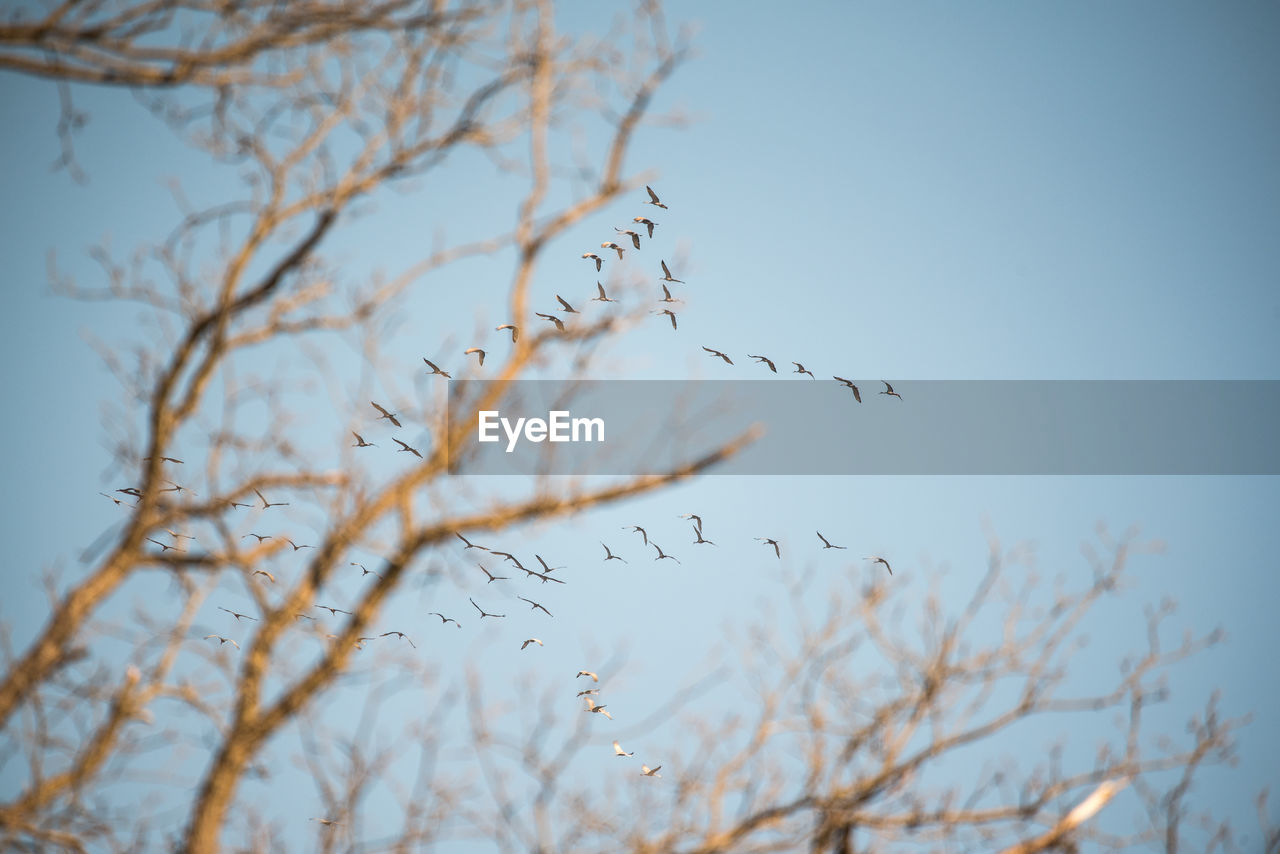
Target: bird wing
{"points": [[652, 195]]}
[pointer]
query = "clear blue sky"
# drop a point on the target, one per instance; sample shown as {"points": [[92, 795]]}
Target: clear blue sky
{"points": [[986, 191]]}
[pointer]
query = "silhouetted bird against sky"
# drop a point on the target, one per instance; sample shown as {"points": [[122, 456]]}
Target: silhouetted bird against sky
{"points": [[825, 544], [470, 545], [385, 414], [483, 612], [662, 555], [603, 296], [768, 542], [800, 369], [536, 606], [404, 447], [719, 354], [471, 350], [647, 223], [551, 317], [888, 389], [435, 369], [266, 503], [515, 331], [878, 559], [857, 395], [653, 198], [764, 360], [666, 275], [237, 615], [594, 257]]}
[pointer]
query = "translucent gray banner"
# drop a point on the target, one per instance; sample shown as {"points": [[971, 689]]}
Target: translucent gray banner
{"points": [[819, 427]]}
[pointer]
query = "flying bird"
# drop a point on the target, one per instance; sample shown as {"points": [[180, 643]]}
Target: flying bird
{"points": [[647, 223], [603, 296], [508, 556], [568, 309], [269, 576], [163, 546], [222, 640], [768, 542], [610, 555], [801, 369], [618, 751], [546, 568], [238, 616], [385, 414], [697, 529], [551, 317], [590, 692], [470, 545], [592, 707], [615, 247], [164, 459], [471, 350], [435, 369], [266, 503], [594, 677], [327, 822], [117, 501], [482, 611], [594, 257], [515, 330], [443, 618], [638, 530], [718, 353], [531, 640], [365, 571], [536, 606], [825, 544], [878, 559], [529, 573], [296, 547], [400, 635], [404, 447], [653, 198], [666, 296], [764, 360], [671, 314], [492, 577], [360, 442], [697, 520], [663, 556], [651, 772], [857, 395], [635, 236], [666, 275], [888, 389], [333, 612]]}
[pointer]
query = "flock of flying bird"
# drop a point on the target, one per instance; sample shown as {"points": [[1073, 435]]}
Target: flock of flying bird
{"points": [[544, 575]]}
